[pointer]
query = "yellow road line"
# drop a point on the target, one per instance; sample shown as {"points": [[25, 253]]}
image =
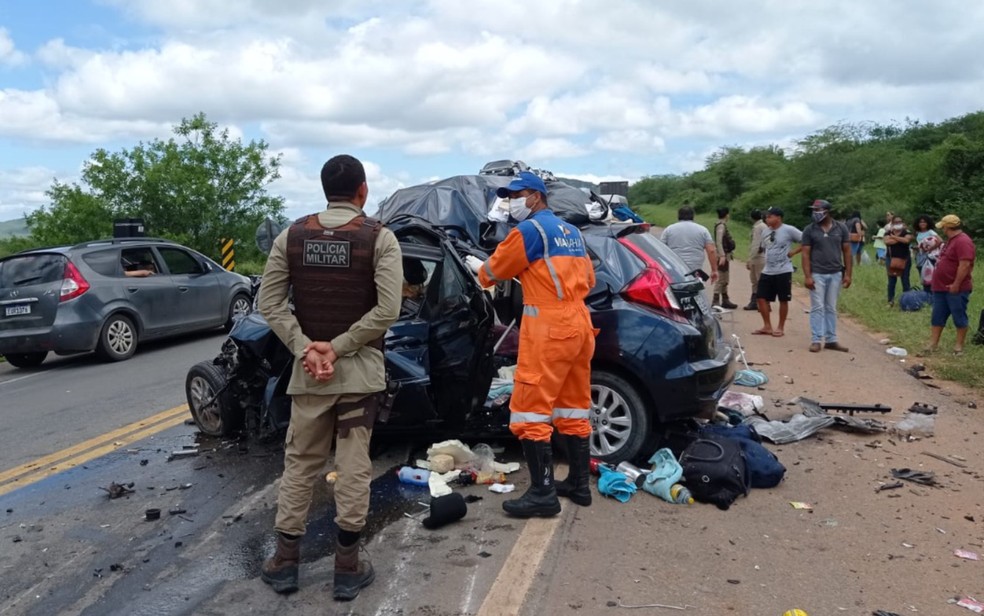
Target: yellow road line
{"points": [[102, 443], [508, 592]]}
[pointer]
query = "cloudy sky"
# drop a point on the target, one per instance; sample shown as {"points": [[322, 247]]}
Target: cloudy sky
{"points": [[422, 89]]}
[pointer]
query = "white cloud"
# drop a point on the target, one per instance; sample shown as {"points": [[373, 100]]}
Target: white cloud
{"points": [[545, 149], [22, 190], [9, 54], [742, 114], [640, 141]]}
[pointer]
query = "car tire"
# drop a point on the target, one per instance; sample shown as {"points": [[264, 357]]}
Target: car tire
{"points": [[204, 382], [620, 422], [239, 307], [118, 339], [26, 360]]}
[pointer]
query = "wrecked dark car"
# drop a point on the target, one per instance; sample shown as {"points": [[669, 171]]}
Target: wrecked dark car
{"points": [[660, 356]]}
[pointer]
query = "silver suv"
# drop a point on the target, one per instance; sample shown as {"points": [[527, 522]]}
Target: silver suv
{"points": [[108, 295]]}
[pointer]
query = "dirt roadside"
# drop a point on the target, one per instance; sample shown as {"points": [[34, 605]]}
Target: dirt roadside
{"points": [[857, 551]]}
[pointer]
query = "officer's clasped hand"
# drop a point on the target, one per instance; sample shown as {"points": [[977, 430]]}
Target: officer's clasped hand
{"points": [[318, 361]]}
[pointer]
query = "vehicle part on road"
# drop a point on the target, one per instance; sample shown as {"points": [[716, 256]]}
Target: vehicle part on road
{"points": [[116, 490], [26, 360], [926, 478], [944, 459], [796, 428], [182, 453], [889, 486], [924, 409], [118, 339], [152, 514], [850, 409], [444, 510]]}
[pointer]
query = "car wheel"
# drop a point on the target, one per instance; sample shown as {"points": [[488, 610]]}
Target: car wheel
{"points": [[239, 307], [202, 387], [619, 418], [118, 339], [26, 360]]}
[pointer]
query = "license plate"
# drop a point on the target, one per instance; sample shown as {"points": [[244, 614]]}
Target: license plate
{"points": [[11, 311], [702, 303]]}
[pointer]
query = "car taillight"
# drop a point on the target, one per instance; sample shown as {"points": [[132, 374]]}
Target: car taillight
{"points": [[652, 287], [73, 284]]}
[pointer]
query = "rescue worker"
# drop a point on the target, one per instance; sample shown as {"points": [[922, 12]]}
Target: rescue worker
{"points": [[342, 259], [552, 383]]}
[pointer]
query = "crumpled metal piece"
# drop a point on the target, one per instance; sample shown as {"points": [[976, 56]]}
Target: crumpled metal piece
{"points": [[797, 428]]}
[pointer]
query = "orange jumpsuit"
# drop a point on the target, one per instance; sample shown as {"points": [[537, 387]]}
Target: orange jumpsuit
{"points": [[552, 384]]}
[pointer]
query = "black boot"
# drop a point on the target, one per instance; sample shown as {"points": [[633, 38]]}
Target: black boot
{"points": [[727, 303], [716, 300], [577, 486], [541, 499], [351, 574], [280, 570], [752, 303]]}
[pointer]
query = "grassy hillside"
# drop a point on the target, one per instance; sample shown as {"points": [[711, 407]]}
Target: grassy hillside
{"points": [[11, 228]]}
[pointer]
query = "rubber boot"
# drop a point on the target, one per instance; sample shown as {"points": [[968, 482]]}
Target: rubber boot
{"points": [[351, 573], [727, 303], [716, 300], [280, 570], [752, 303], [577, 486], [541, 499]]}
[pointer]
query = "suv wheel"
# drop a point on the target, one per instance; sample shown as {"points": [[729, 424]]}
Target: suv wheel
{"points": [[239, 307], [619, 419], [26, 360], [118, 339], [202, 387]]}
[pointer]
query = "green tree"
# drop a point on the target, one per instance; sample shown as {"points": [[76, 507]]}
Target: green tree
{"points": [[195, 188]]}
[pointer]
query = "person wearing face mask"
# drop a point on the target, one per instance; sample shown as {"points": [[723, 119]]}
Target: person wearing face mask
{"points": [[552, 383], [827, 265], [899, 259]]}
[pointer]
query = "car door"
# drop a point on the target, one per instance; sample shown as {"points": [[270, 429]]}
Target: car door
{"points": [[461, 319], [407, 347], [196, 297], [149, 295]]}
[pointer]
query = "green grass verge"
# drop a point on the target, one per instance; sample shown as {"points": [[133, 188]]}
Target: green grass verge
{"points": [[866, 301]]}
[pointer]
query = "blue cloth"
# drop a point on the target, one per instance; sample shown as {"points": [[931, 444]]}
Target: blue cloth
{"points": [[624, 213], [946, 304], [666, 471], [914, 299], [823, 307], [615, 484], [750, 378]]}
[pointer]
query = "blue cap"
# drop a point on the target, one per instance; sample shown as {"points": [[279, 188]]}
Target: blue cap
{"points": [[524, 180]]}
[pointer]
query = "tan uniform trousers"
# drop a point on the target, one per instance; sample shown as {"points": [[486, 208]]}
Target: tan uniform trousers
{"points": [[724, 276], [755, 267], [314, 421]]}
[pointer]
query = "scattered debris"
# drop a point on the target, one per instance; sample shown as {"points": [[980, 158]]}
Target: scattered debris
{"points": [[116, 490], [801, 505], [896, 351], [971, 604], [972, 405], [144, 462], [152, 514], [734, 581], [116, 567], [17, 539], [944, 459], [178, 544], [182, 453], [889, 486], [926, 478], [502, 488], [484, 554], [966, 554], [924, 409], [473, 498], [969, 518], [176, 511], [660, 605]]}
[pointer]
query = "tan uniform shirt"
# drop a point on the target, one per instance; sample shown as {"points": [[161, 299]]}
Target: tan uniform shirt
{"points": [[755, 252], [359, 368]]}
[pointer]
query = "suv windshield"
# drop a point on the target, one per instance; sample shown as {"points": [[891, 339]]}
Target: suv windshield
{"points": [[31, 269], [660, 252]]}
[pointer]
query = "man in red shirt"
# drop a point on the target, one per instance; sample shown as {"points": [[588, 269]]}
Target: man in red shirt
{"points": [[952, 283]]}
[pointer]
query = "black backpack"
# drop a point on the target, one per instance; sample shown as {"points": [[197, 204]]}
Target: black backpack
{"points": [[714, 470]]}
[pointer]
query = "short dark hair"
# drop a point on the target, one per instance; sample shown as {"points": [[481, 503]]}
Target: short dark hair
{"points": [[756, 214], [723, 211], [927, 218], [342, 176], [685, 213]]}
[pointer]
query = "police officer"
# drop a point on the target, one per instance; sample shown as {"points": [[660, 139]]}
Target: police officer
{"points": [[552, 383], [346, 272]]}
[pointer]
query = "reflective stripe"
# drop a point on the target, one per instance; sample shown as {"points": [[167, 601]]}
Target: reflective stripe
{"points": [[571, 413], [531, 311], [515, 417], [546, 258], [488, 272]]}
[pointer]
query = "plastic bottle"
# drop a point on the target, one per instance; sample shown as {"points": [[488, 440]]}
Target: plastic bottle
{"points": [[681, 495], [414, 476]]}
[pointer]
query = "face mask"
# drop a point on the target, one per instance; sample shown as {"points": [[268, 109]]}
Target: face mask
{"points": [[898, 227], [819, 216], [518, 208]]}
